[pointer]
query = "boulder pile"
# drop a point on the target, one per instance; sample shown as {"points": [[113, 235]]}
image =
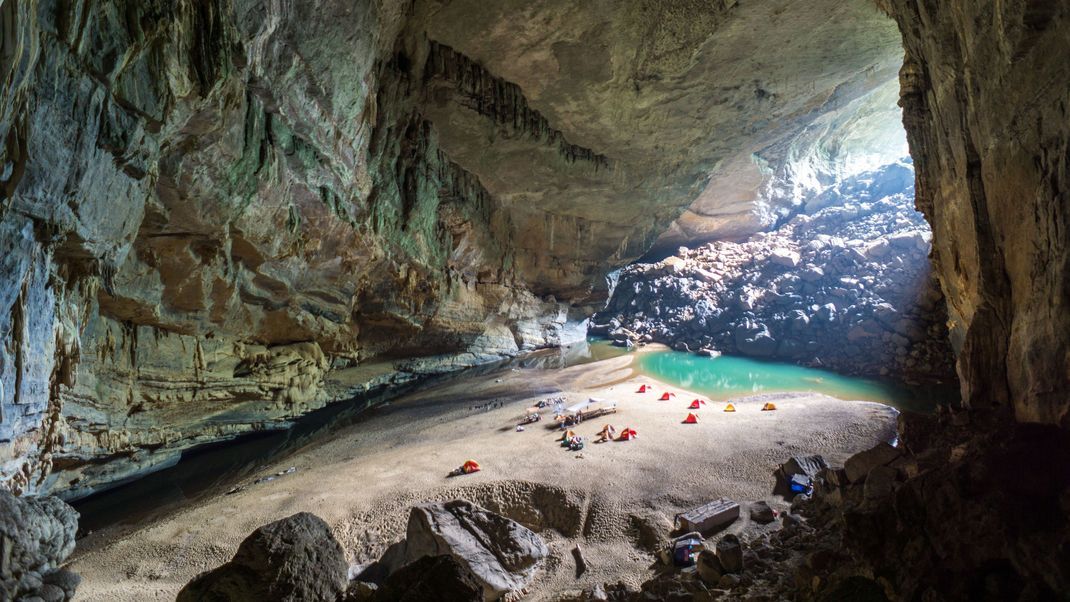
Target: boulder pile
{"points": [[453, 550], [848, 287], [959, 509]]}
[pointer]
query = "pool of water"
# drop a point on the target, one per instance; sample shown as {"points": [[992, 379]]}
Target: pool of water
{"points": [[726, 377]]}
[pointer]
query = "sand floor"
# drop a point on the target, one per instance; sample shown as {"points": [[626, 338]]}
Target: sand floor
{"points": [[363, 479]]}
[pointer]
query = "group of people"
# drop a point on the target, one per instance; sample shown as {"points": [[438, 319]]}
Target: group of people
{"points": [[572, 441]]}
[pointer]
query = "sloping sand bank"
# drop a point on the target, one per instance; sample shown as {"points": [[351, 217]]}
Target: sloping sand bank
{"points": [[363, 480]]}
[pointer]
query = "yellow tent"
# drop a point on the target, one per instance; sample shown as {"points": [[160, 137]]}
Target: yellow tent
{"points": [[768, 407], [730, 408]]}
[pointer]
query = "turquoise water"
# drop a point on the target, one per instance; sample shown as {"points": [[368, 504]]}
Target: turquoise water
{"points": [[728, 377]]}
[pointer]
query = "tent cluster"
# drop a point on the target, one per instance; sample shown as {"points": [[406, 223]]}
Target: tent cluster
{"points": [[697, 404], [574, 442]]}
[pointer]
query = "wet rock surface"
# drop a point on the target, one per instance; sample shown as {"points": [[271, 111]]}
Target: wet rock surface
{"points": [[847, 287], [36, 537]]}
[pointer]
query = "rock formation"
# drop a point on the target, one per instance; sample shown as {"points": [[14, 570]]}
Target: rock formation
{"points": [[429, 579], [501, 554], [945, 515], [295, 559], [219, 217], [846, 287], [984, 102], [36, 536]]}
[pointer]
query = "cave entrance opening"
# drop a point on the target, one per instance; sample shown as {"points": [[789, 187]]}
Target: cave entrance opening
{"points": [[835, 275]]}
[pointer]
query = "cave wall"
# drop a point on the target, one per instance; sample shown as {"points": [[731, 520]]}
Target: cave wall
{"points": [[985, 94], [207, 211], [219, 216]]}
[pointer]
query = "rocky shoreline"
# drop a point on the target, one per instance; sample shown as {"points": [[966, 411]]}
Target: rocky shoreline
{"points": [[847, 287]]}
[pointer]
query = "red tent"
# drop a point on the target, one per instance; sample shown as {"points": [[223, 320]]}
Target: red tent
{"points": [[642, 389], [627, 434], [696, 404], [470, 467], [691, 419], [667, 396]]}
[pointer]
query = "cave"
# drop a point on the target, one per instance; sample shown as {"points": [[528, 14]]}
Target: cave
{"points": [[459, 300]]}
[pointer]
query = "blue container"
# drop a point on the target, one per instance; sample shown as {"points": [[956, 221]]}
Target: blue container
{"points": [[800, 483]]}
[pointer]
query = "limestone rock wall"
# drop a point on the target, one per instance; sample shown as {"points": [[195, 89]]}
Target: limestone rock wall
{"points": [[985, 97], [207, 211]]}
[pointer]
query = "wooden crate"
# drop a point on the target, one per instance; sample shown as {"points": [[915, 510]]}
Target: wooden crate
{"points": [[708, 517]]}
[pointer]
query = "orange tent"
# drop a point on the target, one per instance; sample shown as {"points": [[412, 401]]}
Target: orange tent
{"points": [[730, 408], [698, 403], [470, 467], [768, 407], [691, 419], [642, 389], [627, 434], [667, 396]]}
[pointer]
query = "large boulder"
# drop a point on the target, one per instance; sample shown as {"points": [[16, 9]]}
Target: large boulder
{"points": [[755, 339], [431, 579], [762, 513], [708, 567], [784, 257], [730, 554], [501, 553], [295, 559], [36, 536], [859, 465]]}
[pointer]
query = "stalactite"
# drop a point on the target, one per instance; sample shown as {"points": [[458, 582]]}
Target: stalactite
{"points": [[503, 102]]}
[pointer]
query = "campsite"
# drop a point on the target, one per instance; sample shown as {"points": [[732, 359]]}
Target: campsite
{"points": [[363, 480]]}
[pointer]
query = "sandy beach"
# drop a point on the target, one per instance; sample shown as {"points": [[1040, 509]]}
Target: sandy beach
{"points": [[363, 479]]}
